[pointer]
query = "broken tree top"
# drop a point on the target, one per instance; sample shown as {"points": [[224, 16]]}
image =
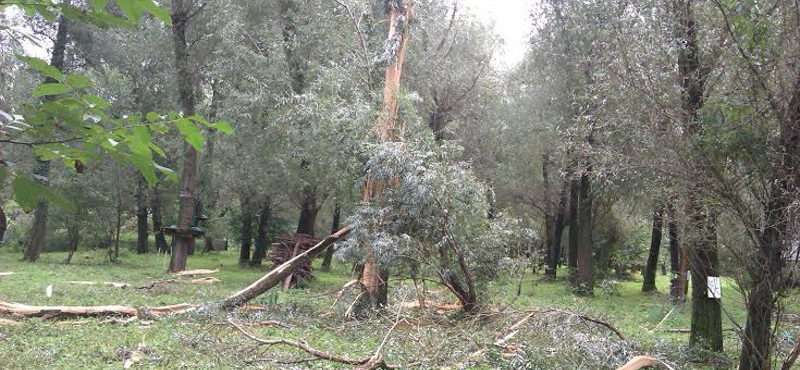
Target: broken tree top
{"points": [[287, 246]]}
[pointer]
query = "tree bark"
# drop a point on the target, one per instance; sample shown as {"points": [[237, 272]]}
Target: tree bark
{"points": [[155, 209], [326, 262], [74, 239], [41, 170], [142, 236], [308, 212], [261, 235], [585, 275], [572, 253], [247, 231], [186, 96], [649, 284], [555, 252], [3, 223], [373, 276], [549, 220], [675, 290]]}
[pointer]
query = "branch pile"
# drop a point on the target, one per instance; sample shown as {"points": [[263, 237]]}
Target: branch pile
{"points": [[288, 246]]}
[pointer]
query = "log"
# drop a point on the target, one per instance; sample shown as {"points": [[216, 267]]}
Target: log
{"points": [[195, 272], [277, 274], [640, 362], [108, 283], [22, 310], [6, 274]]}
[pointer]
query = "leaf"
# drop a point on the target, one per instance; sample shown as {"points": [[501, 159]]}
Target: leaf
{"points": [[157, 11], [78, 81], [223, 127], [42, 67], [99, 5], [191, 133], [131, 9], [167, 171], [96, 101], [153, 117], [145, 165], [27, 194], [51, 89]]}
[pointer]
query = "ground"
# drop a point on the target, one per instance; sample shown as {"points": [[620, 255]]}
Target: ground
{"points": [[424, 338]]}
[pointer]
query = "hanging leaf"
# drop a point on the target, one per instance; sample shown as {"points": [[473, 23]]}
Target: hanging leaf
{"points": [[157, 11], [99, 5], [191, 133], [27, 194], [42, 67], [51, 89]]}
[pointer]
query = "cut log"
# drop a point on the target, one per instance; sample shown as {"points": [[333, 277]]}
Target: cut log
{"points": [[107, 283], [195, 272], [277, 274], [6, 274]]}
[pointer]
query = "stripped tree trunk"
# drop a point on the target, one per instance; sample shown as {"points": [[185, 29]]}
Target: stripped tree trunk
{"points": [[186, 96], [41, 170], [373, 277]]}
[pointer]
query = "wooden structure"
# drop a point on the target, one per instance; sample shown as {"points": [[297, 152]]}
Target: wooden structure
{"points": [[287, 247]]}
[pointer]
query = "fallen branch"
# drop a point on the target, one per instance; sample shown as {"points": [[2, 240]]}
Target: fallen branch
{"points": [[662, 320], [23, 310], [514, 329], [681, 331], [640, 362], [6, 274], [107, 283], [205, 280], [366, 363], [277, 274], [591, 319], [792, 358]]}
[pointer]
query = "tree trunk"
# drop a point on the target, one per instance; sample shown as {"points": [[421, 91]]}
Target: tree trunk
{"points": [[674, 255], [74, 240], [373, 276], [706, 327], [208, 193], [3, 223], [118, 226], [308, 212], [549, 221], [155, 208], [247, 231], [585, 276], [41, 170], [142, 236], [555, 251], [261, 236], [572, 252], [649, 284], [326, 262], [188, 191]]}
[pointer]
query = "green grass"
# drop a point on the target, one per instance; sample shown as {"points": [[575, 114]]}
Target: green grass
{"points": [[201, 341]]}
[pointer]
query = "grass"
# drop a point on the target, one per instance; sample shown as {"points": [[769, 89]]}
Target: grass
{"points": [[201, 341]]}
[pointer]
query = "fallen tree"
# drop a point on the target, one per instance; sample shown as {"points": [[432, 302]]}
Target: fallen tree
{"points": [[255, 289]]}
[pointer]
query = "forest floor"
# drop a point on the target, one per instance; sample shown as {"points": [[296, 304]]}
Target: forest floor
{"points": [[424, 338]]}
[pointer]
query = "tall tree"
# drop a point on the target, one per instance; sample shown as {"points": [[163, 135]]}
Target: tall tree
{"points": [[649, 283], [41, 170], [374, 277], [142, 234], [264, 215], [326, 262], [184, 241]]}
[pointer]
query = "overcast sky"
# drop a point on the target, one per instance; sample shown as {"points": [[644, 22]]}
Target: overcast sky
{"points": [[511, 20]]}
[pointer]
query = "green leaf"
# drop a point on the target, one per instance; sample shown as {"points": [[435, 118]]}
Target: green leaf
{"points": [[145, 165], [78, 81], [169, 172], [132, 9], [51, 89], [153, 117], [96, 101], [42, 67], [27, 194], [157, 11], [99, 5], [191, 133], [223, 127]]}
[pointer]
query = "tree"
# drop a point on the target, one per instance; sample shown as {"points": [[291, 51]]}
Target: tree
{"points": [[649, 283]]}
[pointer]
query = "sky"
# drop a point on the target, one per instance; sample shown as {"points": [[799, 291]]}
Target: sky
{"points": [[511, 19]]}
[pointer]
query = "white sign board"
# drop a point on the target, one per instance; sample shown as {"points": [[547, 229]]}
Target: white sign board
{"points": [[714, 287]]}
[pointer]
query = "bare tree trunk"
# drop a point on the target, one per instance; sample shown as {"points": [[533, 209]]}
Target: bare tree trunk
{"points": [[155, 209], [3, 223], [41, 170], [326, 262], [208, 193], [549, 221], [572, 253], [374, 277], [188, 191], [142, 236], [118, 226], [555, 251], [649, 284], [674, 254], [308, 212], [261, 236], [247, 230], [585, 276]]}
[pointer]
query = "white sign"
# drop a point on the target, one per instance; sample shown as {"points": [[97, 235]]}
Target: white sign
{"points": [[714, 287]]}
